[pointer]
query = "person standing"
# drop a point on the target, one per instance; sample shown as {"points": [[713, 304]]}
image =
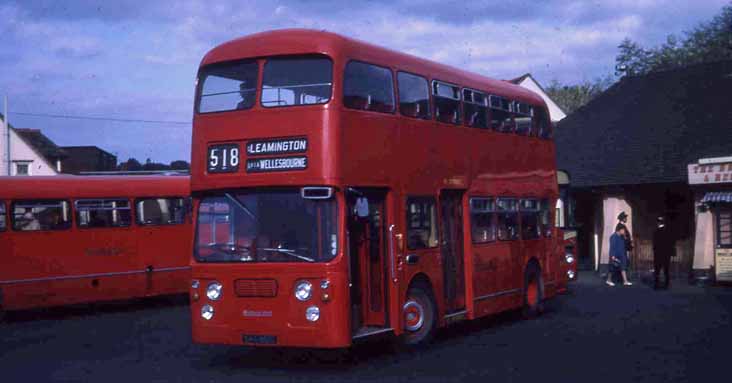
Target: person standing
{"points": [[663, 249], [622, 220], [618, 257]]}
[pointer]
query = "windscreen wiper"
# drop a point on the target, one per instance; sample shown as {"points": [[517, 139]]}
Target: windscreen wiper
{"points": [[289, 252], [232, 249]]}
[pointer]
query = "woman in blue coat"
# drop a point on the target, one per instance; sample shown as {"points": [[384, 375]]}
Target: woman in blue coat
{"points": [[618, 257]]}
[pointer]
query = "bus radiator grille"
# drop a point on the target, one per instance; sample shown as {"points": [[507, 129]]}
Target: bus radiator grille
{"points": [[259, 288]]}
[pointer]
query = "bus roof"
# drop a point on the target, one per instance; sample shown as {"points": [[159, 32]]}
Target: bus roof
{"points": [[69, 186], [307, 41]]}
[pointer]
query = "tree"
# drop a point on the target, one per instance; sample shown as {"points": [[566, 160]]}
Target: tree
{"points": [[180, 165], [572, 97], [131, 165], [709, 41]]}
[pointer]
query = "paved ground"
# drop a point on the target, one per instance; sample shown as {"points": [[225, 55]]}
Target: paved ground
{"points": [[595, 334]]}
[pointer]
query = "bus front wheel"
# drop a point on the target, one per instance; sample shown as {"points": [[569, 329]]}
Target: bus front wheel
{"points": [[418, 315]]}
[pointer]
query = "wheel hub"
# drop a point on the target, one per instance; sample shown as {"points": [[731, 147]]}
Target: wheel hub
{"points": [[413, 315]]}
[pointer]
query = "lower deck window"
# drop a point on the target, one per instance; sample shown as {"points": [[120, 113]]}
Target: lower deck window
{"points": [[546, 222], [161, 211], [35, 215], [482, 223], [96, 213], [3, 225], [422, 223], [530, 219], [507, 219]]}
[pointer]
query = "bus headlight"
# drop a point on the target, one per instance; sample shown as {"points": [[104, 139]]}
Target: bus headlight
{"points": [[194, 284], [570, 274], [569, 258], [207, 312], [213, 292], [303, 290], [312, 313]]}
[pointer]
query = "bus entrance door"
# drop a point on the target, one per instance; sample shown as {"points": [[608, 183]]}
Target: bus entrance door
{"points": [[452, 249], [367, 233]]}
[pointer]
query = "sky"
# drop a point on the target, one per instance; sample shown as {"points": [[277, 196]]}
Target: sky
{"points": [[138, 59]]}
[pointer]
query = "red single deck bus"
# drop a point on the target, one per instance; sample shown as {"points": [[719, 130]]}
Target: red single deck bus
{"points": [[74, 239], [343, 190]]}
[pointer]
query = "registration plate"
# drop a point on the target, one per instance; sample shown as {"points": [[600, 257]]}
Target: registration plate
{"points": [[260, 339], [223, 158]]}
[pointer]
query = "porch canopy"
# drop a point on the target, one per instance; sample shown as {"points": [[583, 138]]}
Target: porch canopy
{"points": [[717, 197]]}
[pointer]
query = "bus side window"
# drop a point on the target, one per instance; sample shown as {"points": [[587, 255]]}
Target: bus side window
{"points": [[36, 215], [523, 119], [508, 225], [421, 223], [161, 211], [482, 223], [501, 114], [475, 108], [529, 219], [414, 96], [543, 125], [3, 224], [447, 102], [96, 213], [368, 87], [546, 218]]}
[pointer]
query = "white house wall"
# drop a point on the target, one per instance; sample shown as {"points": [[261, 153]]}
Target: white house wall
{"points": [[22, 152]]}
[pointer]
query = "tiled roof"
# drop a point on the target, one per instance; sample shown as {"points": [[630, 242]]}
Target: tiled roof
{"points": [[646, 129], [42, 144]]}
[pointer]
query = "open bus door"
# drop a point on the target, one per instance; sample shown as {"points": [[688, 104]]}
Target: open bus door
{"points": [[451, 248], [367, 244]]}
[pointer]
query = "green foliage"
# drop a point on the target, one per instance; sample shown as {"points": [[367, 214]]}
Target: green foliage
{"points": [[572, 97], [709, 41]]}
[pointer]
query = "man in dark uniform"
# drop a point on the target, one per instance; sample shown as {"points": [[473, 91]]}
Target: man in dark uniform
{"points": [[664, 246]]}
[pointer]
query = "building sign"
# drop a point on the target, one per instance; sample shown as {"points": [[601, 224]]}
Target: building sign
{"points": [[710, 174], [723, 265]]}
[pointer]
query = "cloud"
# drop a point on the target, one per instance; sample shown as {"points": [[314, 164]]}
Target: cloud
{"points": [[139, 59]]}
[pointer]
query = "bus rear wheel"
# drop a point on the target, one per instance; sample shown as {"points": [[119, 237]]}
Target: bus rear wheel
{"points": [[418, 314], [533, 292]]}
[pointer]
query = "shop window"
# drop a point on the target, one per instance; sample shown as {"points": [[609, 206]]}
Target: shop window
{"points": [[97, 213], [524, 114], [529, 209], [545, 222], [161, 211], [3, 224], [501, 115], [36, 215], [482, 223], [422, 223], [368, 87], [447, 102], [475, 108], [414, 96], [724, 228], [507, 219]]}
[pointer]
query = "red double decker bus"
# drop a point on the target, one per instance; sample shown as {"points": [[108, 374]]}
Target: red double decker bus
{"points": [[75, 239], [343, 190]]}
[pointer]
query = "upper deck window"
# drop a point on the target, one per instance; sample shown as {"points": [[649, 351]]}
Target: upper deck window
{"points": [[524, 114], [447, 102], [414, 96], [368, 87], [475, 108], [227, 86], [501, 114], [292, 81], [543, 125], [35, 215]]}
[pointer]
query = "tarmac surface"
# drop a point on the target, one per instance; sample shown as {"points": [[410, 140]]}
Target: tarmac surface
{"points": [[593, 334]]}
